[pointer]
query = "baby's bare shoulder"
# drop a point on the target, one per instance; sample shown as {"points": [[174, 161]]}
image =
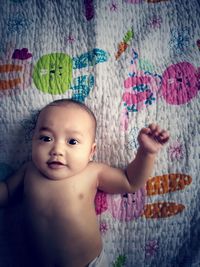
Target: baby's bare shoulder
{"points": [[96, 168]]}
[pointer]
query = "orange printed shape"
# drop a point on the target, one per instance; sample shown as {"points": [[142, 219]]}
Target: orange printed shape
{"points": [[162, 210], [10, 68], [121, 48], [15, 76], [4, 85], [167, 183], [10, 83]]}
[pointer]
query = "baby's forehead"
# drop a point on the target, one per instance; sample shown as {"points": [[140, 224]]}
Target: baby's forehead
{"points": [[45, 116], [49, 109], [61, 107]]}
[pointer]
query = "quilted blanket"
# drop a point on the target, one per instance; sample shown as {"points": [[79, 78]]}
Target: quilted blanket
{"points": [[132, 62]]}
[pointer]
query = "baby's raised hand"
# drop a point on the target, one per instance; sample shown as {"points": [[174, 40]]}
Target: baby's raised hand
{"points": [[152, 138]]}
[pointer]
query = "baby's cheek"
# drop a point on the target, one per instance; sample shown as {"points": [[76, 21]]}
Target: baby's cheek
{"points": [[79, 160], [37, 154]]}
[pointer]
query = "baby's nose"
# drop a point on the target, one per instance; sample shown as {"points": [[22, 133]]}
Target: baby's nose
{"points": [[56, 153], [57, 150]]}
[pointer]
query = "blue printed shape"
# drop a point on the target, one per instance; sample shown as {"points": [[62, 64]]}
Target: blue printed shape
{"points": [[82, 86], [90, 58], [18, 23]]}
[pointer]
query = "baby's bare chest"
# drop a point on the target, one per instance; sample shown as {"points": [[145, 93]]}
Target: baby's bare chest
{"points": [[63, 214], [62, 196]]}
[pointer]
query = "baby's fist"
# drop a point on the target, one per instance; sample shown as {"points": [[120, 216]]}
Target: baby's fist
{"points": [[152, 138]]}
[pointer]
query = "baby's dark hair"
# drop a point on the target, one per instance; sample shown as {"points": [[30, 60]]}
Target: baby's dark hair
{"points": [[68, 101]]}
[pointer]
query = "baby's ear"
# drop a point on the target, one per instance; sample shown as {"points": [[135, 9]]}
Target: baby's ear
{"points": [[93, 150]]}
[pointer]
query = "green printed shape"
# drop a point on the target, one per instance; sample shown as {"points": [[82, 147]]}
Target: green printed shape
{"points": [[145, 65], [128, 36], [120, 262], [53, 73]]}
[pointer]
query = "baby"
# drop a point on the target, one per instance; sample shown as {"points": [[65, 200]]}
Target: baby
{"points": [[60, 184]]}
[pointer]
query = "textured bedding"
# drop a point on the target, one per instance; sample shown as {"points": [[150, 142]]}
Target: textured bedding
{"points": [[132, 62]]}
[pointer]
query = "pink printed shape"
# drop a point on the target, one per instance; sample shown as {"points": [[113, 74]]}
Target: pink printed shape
{"points": [[127, 207], [179, 84], [152, 81], [198, 78], [101, 204], [137, 80], [124, 120], [133, 99]]}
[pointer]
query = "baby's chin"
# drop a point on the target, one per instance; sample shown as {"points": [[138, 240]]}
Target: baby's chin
{"points": [[54, 173], [57, 173]]}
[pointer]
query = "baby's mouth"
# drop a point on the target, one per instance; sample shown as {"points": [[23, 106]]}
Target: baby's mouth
{"points": [[55, 164]]}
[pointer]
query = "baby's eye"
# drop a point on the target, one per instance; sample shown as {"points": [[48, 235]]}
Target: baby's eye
{"points": [[72, 141], [45, 138]]}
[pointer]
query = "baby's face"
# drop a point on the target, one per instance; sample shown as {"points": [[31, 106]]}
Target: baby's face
{"points": [[63, 141]]}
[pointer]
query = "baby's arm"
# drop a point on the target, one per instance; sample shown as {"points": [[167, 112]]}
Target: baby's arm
{"points": [[113, 180], [151, 140], [10, 186]]}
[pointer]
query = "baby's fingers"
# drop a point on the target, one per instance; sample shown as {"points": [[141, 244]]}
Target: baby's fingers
{"points": [[159, 135], [154, 129], [164, 136]]}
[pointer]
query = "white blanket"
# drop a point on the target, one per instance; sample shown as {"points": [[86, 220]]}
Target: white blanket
{"points": [[132, 62]]}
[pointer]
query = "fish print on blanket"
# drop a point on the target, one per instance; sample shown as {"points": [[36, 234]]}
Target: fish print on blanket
{"points": [[161, 185], [140, 90], [16, 70], [178, 85], [127, 207], [53, 73]]}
